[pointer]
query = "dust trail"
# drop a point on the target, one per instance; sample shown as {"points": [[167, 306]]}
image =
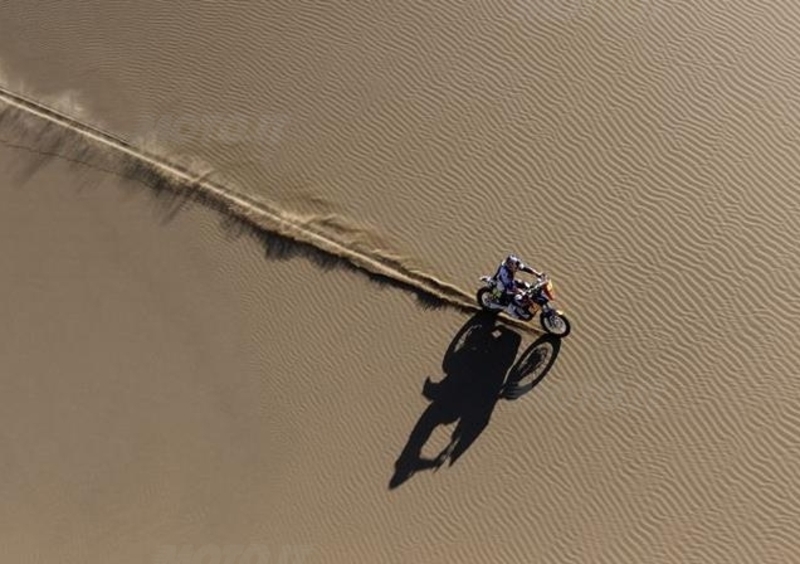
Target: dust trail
{"points": [[282, 232]]}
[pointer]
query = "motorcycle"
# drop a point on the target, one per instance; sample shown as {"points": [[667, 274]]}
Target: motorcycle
{"points": [[532, 299]]}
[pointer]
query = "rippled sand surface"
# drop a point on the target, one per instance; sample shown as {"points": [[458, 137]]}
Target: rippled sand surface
{"points": [[171, 380]]}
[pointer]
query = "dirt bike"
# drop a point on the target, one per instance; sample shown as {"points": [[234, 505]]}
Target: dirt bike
{"points": [[531, 299]]}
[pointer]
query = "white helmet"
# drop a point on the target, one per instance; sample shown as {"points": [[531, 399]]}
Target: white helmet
{"points": [[512, 262]]}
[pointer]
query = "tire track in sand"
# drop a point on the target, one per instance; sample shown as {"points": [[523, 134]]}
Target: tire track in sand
{"points": [[272, 224]]}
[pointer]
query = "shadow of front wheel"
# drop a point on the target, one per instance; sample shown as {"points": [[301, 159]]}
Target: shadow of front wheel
{"points": [[532, 367]]}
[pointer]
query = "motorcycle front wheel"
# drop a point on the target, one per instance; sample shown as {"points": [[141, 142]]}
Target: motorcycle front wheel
{"points": [[556, 324]]}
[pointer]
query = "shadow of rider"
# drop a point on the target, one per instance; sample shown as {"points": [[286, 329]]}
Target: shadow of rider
{"points": [[475, 367]]}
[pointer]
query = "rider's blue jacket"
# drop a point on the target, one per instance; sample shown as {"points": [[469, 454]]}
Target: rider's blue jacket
{"points": [[505, 278]]}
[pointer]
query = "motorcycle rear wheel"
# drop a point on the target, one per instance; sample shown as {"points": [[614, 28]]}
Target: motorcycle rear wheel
{"points": [[484, 298]]}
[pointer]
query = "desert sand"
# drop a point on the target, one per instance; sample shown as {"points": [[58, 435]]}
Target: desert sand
{"points": [[288, 364]]}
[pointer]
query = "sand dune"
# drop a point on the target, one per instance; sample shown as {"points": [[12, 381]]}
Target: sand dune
{"points": [[643, 153]]}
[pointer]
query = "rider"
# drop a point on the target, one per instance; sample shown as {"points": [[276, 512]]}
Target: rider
{"points": [[507, 287]]}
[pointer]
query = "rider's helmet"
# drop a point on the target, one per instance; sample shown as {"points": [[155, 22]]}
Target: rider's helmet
{"points": [[512, 263]]}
